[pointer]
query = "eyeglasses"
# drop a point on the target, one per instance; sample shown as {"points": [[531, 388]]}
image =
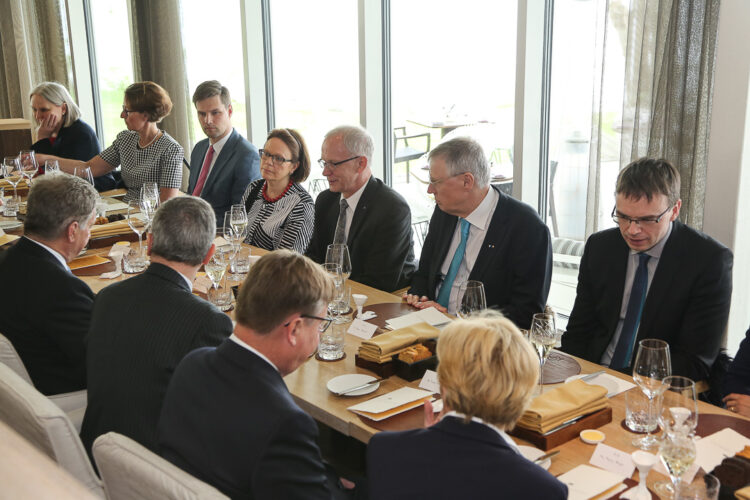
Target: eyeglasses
{"points": [[324, 322], [643, 221], [333, 164], [128, 111], [275, 159], [435, 183]]}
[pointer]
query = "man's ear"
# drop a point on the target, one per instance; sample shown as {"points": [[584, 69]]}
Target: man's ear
{"points": [[70, 232], [361, 163], [209, 254], [149, 243], [230, 111]]}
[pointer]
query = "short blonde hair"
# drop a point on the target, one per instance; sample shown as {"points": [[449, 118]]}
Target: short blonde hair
{"points": [[279, 284], [487, 369]]}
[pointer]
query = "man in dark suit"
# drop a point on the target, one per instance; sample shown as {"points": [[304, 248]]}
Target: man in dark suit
{"points": [[46, 310], [478, 233], [652, 277], [372, 219], [487, 375], [222, 165], [228, 417], [141, 328]]}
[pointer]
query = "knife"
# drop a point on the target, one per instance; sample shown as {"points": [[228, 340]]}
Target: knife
{"points": [[592, 375], [358, 387], [544, 457], [564, 424]]}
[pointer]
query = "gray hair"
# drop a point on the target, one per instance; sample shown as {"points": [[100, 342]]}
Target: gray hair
{"points": [[55, 201], [464, 154], [357, 140], [184, 229], [58, 95]]}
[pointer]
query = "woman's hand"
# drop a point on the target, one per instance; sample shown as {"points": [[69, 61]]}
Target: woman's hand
{"points": [[48, 127], [738, 403], [430, 418]]}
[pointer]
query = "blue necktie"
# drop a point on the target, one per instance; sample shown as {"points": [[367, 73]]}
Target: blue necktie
{"points": [[624, 349], [445, 290]]}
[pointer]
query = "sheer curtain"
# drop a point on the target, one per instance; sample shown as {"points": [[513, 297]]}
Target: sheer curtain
{"points": [[655, 59]]}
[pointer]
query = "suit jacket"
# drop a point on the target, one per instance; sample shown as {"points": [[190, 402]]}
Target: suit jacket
{"points": [[141, 329], [738, 376], [687, 304], [514, 263], [229, 420], [380, 242], [453, 459], [237, 165], [46, 314]]}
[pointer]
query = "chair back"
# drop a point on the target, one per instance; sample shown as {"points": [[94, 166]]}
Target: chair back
{"points": [[129, 470], [46, 426], [9, 356]]}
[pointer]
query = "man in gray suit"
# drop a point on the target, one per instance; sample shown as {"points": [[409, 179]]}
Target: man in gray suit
{"points": [[222, 165], [141, 328]]}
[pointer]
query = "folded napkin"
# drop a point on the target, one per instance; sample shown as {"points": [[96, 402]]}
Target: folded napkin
{"points": [[382, 348], [7, 238], [117, 259], [112, 229], [743, 494], [87, 261], [564, 403], [113, 193]]}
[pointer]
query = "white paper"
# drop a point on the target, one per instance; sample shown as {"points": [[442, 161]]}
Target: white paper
{"points": [[202, 284], [119, 248], [608, 380], [687, 476], [437, 406], [219, 241], [391, 400], [362, 329], [585, 481], [366, 315], [711, 450], [431, 316], [430, 382], [613, 460], [113, 205]]}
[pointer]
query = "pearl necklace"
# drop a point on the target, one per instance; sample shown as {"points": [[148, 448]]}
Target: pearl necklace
{"points": [[158, 134]]}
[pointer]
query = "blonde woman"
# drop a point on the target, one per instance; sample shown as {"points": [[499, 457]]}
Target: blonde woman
{"points": [[487, 374]]}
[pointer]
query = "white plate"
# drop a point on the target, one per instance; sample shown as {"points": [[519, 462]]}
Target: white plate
{"points": [[599, 380], [10, 224], [344, 382], [532, 453]]}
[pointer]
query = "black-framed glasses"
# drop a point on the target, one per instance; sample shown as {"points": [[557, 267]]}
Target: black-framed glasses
{"points": [[128, 111], [324, 322], [645, 221], [275, 159], [435, 183], [333, 164]]}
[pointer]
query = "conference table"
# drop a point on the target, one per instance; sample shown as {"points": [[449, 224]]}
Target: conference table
{"points": [[308, 386]]}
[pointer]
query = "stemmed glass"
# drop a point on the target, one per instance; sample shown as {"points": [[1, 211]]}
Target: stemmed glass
{"points": [[216, 268], [334, 270], [149, 200], [338, 253], [84, 173], [29, 164], [51, 167], [135, 221], [651, 366], [677, 451], [13, 173], [543, 336], [473, 298], [232, 237], [239, 221]]}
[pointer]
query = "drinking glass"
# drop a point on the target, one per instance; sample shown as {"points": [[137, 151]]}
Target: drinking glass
{"points": [[472, 299], [677, 452], [135, 221], [338, 253], [13, 172], [51, 167], [149, 200], [334, 271], [651, 366], [84, 173], [29, 164], [543, 336], [239, 221], [216, 267]]}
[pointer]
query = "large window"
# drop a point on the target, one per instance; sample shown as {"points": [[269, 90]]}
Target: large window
{"points": [[112, 36]]}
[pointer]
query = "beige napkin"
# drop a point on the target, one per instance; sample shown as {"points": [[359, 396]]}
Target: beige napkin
{"points": [[112, 229], [382, 348], [564, 403], [743, 494], [7, 238]]}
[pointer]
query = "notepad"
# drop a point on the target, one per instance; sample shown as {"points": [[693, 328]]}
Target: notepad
{"points": [[391, 404]]}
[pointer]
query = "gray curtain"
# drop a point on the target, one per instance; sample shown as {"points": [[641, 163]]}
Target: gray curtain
{"points": [[669, 56], [158, 56], [34, 47]]}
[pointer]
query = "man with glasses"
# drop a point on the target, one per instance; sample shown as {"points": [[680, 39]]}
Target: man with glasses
{"points": [[222, 165], [228, 417], [372, 219], [479, 233], [651, 277]]}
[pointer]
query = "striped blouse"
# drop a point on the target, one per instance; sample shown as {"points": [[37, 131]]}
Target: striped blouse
{"points": [[285, 223]]}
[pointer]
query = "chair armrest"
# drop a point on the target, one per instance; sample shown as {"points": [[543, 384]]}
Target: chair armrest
{"points": [[70, 401]]}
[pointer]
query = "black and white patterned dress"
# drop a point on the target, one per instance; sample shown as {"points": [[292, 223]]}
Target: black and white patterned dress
{"points": [[284, 223], [160, 162]]}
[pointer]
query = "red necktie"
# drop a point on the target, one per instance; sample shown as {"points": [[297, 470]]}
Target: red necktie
{"points": [[204, 172]]}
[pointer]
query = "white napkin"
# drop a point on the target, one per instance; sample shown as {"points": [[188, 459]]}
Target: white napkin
{"points": [[117, 259], [367, 315]]}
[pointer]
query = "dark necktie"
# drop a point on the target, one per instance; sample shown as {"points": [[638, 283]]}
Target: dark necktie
{"points": [[204, 172], [445, 290], [624, 348], [339, 237]]}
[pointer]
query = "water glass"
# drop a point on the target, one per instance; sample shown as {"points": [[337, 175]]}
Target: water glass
{"points": [[51, 167], [221, 297], [705, 487], [134, 261], [241, 262], [12, 206], [637, 415], [652, 364], [331, 345], [472, 298]]}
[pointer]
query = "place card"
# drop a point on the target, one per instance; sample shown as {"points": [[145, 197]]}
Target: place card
{"points": [[584, 481], [362, 329], [430, 382], [613, 460]]}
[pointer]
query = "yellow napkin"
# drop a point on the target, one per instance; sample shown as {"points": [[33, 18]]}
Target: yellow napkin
{"points": [[559, 405], [7, 238], [113, 193], [111, 229], [382, 348], [87, 261], [743, 494]]}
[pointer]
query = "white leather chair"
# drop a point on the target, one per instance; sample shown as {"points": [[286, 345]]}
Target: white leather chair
{"points": [[72, 403], [129, 470], [45, 426]]}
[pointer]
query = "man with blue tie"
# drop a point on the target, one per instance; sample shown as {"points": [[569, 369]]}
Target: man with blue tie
{"points": [[479, 233], [651, 277], [222, 165]]}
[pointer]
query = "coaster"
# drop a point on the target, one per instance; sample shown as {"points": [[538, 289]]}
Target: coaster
{"points": [[317, 356]]}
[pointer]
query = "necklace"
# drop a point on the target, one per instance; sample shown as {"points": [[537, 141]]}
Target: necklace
{"points": [[158, 134], [274, 200]]}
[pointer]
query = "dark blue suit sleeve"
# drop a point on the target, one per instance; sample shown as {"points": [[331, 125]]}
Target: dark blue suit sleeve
{"points": [[246, 171]]}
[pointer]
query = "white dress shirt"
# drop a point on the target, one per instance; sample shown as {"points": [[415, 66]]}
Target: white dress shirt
{"points": [[479, 221], [250, 348], [501, 433]]}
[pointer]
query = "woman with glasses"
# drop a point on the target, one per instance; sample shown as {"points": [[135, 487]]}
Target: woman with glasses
{"points": [[145, 153], [280, 212], [61, 132]]}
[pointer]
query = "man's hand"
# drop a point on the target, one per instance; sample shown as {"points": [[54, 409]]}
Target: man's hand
{"points": [[422, 302], [738, 403], [430, 418], [48, 127]]}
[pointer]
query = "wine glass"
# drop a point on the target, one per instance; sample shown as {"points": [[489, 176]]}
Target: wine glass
{"points": [[135, 221], [51, 167], [29, 164], [338, 253], [651, 366], [149, 200], [472, 298], [543, 336], [334, 271], [232, 237], [13, 173], [216, 269], [677, 452], [239, 221], [84, 173]]}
